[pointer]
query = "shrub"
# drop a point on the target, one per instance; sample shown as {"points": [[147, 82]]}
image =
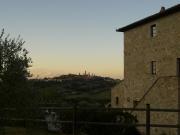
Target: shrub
{"points": [[105, 117]]}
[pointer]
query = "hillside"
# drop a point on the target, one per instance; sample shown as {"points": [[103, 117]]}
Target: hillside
{"points": [[66, 90]]}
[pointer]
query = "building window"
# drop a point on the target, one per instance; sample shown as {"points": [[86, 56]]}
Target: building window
{"points": [[117, 100], [153, 30], [153, 67]]}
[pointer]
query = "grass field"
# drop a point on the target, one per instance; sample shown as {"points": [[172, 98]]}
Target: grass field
{"points": [[57, 95], [66, 90]]}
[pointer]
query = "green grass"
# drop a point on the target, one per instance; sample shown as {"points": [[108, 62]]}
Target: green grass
{"points": [[102, 95], [96, 95], [25, 131]]}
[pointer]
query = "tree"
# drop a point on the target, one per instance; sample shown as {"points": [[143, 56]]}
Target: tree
{"points": [[14, 64]]}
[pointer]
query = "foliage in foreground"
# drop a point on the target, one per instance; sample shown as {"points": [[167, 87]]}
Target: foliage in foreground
{"points": [[88, 121], [23, 131], [102, 117], [14, 64]]}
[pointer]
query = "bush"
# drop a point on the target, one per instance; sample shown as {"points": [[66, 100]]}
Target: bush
{"points": [[102, 116]]}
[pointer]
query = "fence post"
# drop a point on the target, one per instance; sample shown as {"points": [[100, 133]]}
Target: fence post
{"points": [[148, 119], [74, 119]]}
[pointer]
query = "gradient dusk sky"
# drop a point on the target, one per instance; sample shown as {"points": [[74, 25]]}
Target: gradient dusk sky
{"points": [[71, 36]]}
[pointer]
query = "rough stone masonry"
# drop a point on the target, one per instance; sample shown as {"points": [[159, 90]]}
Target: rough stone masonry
{"points": [[152, 68]]}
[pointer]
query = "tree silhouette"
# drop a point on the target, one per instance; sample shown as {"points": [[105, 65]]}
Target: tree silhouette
{"points": [[14, 64]]}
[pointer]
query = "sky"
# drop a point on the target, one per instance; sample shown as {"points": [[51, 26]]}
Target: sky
{"points": [[71, 36]]}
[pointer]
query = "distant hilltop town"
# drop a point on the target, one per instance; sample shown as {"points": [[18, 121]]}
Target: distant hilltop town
{"points": [[84, 76], [87, 74]]}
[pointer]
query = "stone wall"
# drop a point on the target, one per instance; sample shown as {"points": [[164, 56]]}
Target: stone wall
{"points": [[163, 95], [139, 50], [118, 92]]}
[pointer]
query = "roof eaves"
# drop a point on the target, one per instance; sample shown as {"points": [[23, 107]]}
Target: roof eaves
{"points": [[150, 18]]}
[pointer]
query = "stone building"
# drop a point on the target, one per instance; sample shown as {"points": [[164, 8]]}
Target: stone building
{"points": [[152, 67]]}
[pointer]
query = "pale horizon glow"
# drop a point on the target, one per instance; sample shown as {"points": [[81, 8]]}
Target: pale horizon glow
{"points": [[66, 36]]}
